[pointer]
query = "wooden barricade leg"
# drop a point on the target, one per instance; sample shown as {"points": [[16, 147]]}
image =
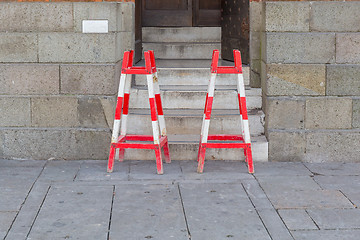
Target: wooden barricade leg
{"points": [[206, 123]]}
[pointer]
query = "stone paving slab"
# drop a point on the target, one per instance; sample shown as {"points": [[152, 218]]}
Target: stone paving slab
{"points": [[334, 169], [80, 212], [338, 183], [274, 225], [327, 235], [60, 170], [142, 170], [12, 198], [232, 214], [281, 168], [6, 219], [147, 212], [96, 170], [297, 219], [336, 218]]}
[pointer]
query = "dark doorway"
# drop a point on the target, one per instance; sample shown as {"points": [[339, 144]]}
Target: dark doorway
{"points": [[181, 13]]}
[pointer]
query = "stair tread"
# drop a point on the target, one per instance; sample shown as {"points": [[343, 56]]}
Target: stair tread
{"points": [[186, 63], [194, 139], [202, 88], [195, 112]]}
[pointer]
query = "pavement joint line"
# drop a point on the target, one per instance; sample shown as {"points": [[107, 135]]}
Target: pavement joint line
{"points": [[27, 195], [312, 219], [37, 214], [77, 172], [348, 199], [183, 208], [257, 212], [273, 208], [111, 210]]}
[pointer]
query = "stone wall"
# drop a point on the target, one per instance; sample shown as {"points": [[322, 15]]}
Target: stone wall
{"points": [[58, 84], [310, 77]]}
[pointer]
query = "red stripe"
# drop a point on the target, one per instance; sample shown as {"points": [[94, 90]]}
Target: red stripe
{"points": [[118, 108], [206, 102], [158, 104], [208, 108], [152, 109], [239, 104], [126, 103], [243, 108]]}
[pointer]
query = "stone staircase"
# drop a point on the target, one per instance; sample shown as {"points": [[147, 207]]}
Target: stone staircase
{"points": [[183, 61]]}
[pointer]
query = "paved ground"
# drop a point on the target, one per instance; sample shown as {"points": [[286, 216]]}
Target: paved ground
{"points": [[79, 200]]}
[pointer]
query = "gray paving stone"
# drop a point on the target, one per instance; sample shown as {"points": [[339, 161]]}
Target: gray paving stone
{"points": [[79, 212], [336, 218], [232, 214], [141, 170], [334, 169], [215, 170], [338, 182], [96, 170], [56, 171], [12, 197], [256, 194], [283, 184], [19, 174], [147, 212], [309, 199], [7, 163], [274, 225], [353, 195], [6, 219], [297, 219], [281, 168], [28, 213], [327, 235]]}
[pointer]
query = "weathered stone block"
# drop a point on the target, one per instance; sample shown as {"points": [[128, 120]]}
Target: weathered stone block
{"points": [[91, 113], [95, 11], [255, 45], [18, 47], [69, 144], [14, 111], [328, 113], [356, 113], [300, 47], [286, 146], [287, 16], [36, 17], [256, 15], [348, 48], [77, 47], [29, 79], [108, 105], [99, 79], [126, 17], [124, 42], [54, 111], [333, 146], [295, 79], [284, 113], [343, 80], [335, 16]]}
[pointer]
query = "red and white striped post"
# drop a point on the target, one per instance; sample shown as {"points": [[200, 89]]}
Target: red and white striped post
{"points": [[237, 141], [122, 111]]}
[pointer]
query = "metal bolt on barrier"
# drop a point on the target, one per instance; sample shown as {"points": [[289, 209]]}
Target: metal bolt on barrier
{"points": [[123, 141], [233, 141]]}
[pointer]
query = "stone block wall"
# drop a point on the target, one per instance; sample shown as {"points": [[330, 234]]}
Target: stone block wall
{"points": [[58, 84], [310, 78]]}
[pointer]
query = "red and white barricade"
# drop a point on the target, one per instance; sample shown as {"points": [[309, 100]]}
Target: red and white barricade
{"points": [[232, 141], [123, 141]]}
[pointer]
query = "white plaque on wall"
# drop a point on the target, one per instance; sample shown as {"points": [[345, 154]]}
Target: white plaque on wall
{"points": [[95, 26]]}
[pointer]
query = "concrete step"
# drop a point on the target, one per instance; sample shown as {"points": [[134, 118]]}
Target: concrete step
{"points": [[185, 147], [192, 76], [188, 121], [193, 97], [182, 50], [181, 34]]}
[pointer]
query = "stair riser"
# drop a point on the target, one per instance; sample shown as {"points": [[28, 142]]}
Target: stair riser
{"points": [[192, 125], [189, 152], [182, 51], [192, 77], [193, 100], [186, 34]]}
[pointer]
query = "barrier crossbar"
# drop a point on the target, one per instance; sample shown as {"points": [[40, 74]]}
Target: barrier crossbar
{"points": [[120, 140], [232, 141]]}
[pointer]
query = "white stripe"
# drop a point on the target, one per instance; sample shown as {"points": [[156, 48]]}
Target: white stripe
{"points": [[240, 85], [162, 125], [155, 128], [156, 84], [115, 133], [247, 131], [128, 83], [211, 87], [202, 125], [204, 137], [150, 84], [122, 85], [123, 125], [241, 125]]}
